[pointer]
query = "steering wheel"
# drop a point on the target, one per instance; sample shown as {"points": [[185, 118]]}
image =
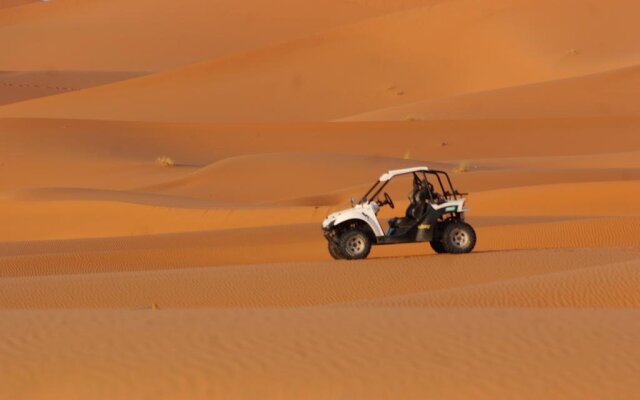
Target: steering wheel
{"points": [[388, 200]]}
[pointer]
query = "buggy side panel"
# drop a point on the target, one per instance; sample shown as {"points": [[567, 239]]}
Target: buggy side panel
{"points": [[359, 215]]}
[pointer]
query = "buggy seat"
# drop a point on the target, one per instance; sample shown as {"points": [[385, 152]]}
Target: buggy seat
{"points": [[415, 212]]}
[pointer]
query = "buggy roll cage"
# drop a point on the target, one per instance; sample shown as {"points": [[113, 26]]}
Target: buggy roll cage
{"points": [[441, 176]]}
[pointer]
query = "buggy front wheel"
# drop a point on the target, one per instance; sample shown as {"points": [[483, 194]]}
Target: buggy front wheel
{"points": [[354, 245], [334, 250]]}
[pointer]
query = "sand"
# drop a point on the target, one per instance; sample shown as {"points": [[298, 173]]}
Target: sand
{"points": [[426, 52], [25, 85], [13, 3], [123, 276]]}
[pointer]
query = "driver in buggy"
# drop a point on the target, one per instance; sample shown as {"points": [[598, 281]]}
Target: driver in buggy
{"points": [[422, 194]]}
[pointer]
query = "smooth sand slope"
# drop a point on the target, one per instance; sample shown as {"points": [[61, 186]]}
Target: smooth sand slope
{"points": [[145, 35], [429, 52], [65, 45], [160, 235], [123, 154], [606, 94], [322, 353], [25, 85], [591, 274], [13, 3]]}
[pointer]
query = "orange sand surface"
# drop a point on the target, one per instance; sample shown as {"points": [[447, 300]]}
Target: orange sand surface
{"points": [[25, 85], [165, 167], [13, 3]]}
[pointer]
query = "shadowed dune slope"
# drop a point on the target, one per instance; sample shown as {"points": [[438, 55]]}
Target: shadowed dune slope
{"points": [[490, 45]]}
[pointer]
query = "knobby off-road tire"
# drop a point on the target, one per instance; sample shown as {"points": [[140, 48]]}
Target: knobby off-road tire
{"points": [[334, 250], [458, 238], [354, 245], [437, 246]]}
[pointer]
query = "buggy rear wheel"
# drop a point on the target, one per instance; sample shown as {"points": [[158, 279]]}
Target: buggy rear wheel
{"points": [[458, 238], [437, 246]]}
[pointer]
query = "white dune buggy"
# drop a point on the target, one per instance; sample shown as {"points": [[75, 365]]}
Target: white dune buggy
{"points": [[433, 215]]}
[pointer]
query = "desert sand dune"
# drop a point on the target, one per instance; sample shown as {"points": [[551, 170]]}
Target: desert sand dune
{"points": [[485, 180], [82, 213], [173, 35], [20, 86], [130, 216], [489, 46], [597, 161], [281, 176], [609, 285], [606, 232], [319, 283], [178, 250], [160, 234], [160, 34], [123, 154], [453, 353], [426, 140], [611, 93], [141, 247], [13, 3], [592, 198]]}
